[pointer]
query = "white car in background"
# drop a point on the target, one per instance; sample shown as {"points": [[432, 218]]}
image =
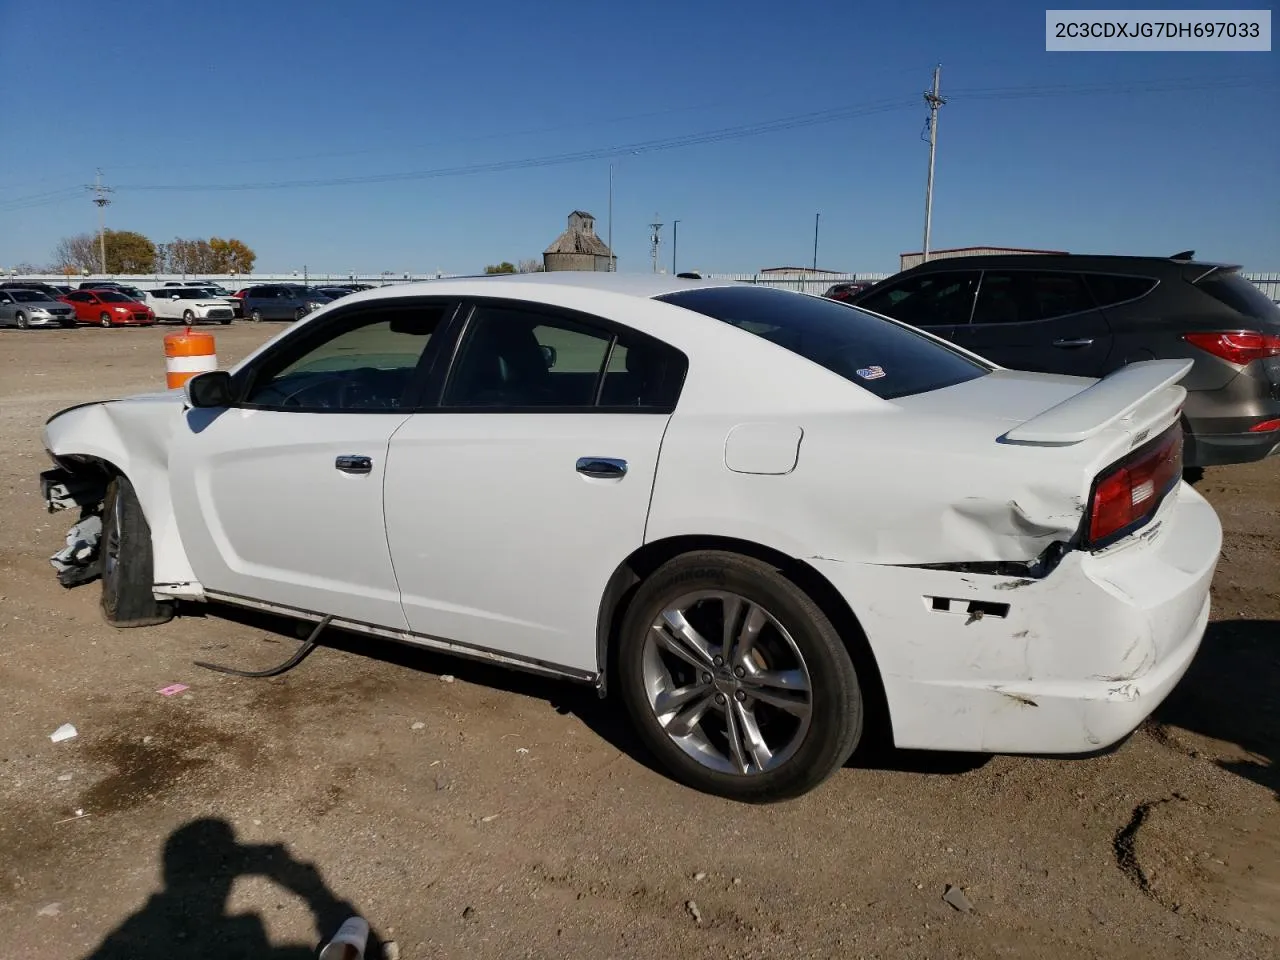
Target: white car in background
{"points": [[188, 304], [774, 523]]}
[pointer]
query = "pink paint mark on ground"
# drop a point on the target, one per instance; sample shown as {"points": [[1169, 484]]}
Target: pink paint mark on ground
{"points": [[173, 688]]}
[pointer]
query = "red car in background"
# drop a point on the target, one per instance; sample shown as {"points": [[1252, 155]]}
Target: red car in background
{"points": [[109, 308]]}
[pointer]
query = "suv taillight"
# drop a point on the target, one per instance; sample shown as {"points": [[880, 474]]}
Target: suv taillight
{"points": [[1238, 346], [1127, 494]]}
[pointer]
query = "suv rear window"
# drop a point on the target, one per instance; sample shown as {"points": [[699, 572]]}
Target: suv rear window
{"points": [[885, 358], [1240, 295]]}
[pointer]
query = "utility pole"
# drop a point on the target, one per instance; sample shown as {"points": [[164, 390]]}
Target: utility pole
{"points": [[654, 241], [100, 198], [675, 235], [934, 100], [816, 218], [613, 261]]}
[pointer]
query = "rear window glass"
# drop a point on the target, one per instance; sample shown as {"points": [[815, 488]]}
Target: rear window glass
{"points": [[1240, 295], [1108, 288], [883, 357]]}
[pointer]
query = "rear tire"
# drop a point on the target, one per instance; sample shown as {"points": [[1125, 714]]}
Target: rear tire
{"points": [[256, 316], [21, 319], [127, 564], [188, 317], [104, 320], [796, 701]]}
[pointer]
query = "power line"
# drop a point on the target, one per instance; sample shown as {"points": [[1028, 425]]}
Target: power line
{"points": [[100, 198]]}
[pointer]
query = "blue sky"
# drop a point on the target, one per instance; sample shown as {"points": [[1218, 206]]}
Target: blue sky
{"points": [[192, 95]]}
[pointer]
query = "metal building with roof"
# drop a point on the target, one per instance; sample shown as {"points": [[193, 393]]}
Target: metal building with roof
{"points": [[578, 248]]}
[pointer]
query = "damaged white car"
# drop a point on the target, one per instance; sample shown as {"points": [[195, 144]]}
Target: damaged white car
{"points": [[774, 523]]}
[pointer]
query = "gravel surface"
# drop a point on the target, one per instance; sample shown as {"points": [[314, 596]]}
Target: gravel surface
{"points": [[506, 816]]}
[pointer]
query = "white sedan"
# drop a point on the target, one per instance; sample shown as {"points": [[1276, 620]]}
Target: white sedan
{"points": [[188, 304], [775, 524]]}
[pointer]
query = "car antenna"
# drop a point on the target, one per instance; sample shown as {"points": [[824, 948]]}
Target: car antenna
{"points": [[1184, 255]]}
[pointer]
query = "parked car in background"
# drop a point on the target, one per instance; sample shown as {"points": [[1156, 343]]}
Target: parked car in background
{"points": [[129, 291], [24, 308], [846, 291], [187, 304], [280, 301], [109, 308], [957, 557], [1091, 315], [48, 289], [333, 293], [100, 285]]}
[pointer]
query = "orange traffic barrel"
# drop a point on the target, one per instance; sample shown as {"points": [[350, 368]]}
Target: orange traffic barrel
{"points": [[186, 354]]}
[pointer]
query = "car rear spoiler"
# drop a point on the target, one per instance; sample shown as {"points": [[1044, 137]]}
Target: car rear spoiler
{"points": [[1135, 391]]}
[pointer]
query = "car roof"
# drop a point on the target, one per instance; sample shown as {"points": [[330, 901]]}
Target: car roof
{"points": [[1063, 261], [643, 285]]}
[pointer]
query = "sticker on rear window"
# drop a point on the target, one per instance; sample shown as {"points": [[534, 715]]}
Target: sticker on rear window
{"points": [[871, 373]]}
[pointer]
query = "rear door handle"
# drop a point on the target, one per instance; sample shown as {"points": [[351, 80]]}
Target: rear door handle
{"points": [[602, 467], [352, 464], [1082, 342]]}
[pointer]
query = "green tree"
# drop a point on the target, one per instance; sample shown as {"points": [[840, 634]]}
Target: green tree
{"points": [[231, 255], [503, 267], [129, 252]]}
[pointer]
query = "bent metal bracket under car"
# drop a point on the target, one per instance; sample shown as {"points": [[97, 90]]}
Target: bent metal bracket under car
{"points": [[773, 523]]}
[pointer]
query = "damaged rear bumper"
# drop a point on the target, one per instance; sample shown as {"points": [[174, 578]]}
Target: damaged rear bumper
{"points": [[1068, 664]]}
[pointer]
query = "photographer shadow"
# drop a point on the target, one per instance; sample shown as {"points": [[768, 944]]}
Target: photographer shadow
{"points": [[189, 918]]}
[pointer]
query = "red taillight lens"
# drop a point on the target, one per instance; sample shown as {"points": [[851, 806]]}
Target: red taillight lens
{"points": [[1240, 346], [1129, 492], [1266, 426]]}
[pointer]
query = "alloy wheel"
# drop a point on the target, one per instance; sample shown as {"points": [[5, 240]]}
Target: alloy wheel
{"points": [[727, 682]]}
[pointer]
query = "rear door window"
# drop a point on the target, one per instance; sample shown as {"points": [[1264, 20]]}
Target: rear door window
{"points": [[927, 299], [1022, 296], [884, 358]]}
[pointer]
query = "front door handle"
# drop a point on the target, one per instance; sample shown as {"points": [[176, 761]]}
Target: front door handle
{"points": [[607, 468], [351, 464], [1082, 342]]}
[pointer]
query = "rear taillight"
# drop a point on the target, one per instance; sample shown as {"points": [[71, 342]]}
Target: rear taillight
{"points": [[1266, 426], [1238, 346], [1128, 493]]}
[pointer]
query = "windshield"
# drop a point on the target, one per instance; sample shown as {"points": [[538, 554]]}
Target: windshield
{"points": [[888, 359], [27, 296], [190, 293], [112, 296]]}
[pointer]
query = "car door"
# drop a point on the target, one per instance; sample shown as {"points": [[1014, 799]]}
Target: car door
{"points": [[1041, 320], [935, 301], [279, 497], [83, 303], [511, 504], [7, 308]]}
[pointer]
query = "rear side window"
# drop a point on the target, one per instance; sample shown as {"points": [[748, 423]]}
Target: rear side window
{"points": [[926, 300], [1240, 295], [885, 358], [1109, 289]]}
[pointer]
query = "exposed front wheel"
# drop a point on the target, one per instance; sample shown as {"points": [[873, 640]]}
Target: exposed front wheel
{"points": [[21, 319], [188, 317], [736, 680], [256, 316], [127, 600]]}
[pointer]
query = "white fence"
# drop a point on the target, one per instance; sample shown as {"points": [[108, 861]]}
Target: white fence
{"points": [[1268, 283]]}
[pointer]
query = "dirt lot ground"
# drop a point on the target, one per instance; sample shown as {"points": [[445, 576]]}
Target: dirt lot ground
{"points": [[493, 815]]}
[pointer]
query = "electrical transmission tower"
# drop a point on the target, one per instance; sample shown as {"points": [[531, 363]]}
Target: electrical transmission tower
{"points": [[654, 241], [101, 199]]}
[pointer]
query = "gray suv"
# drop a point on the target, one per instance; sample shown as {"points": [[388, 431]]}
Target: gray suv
{"points": [[280, 301], [1090, 315]]}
